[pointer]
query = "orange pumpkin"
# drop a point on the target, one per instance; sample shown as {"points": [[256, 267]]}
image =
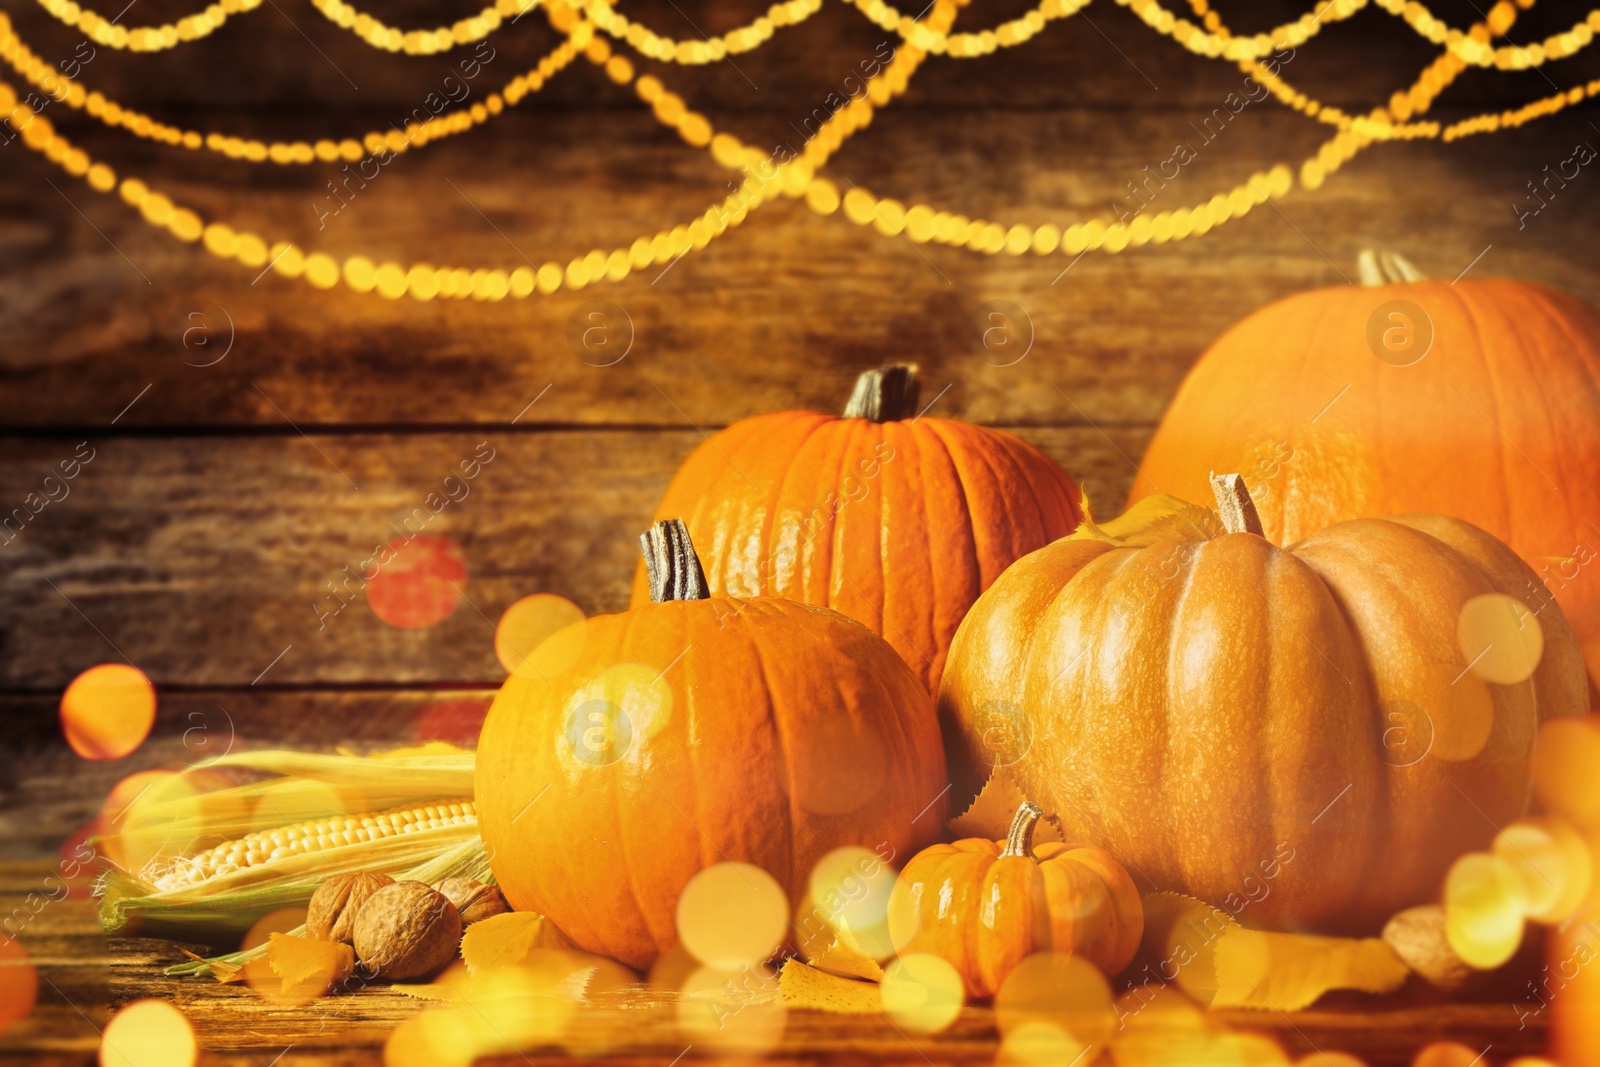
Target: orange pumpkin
{"points": [[1293, 731], [898, 521], [633, 750], [985, 906], [1478, 399]]}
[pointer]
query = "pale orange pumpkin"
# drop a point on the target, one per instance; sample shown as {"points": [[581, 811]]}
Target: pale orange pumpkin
{"points": [[633, 750], [985, 906], [896, 520], [1478, 399], [1293, 731]]}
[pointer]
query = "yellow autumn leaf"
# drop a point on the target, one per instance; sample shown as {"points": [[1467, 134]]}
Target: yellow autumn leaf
{"points": [[844, 959], [1287, 972], [806, 987], [308, 968], [1155, 518], [506, 940], [991, 811]]}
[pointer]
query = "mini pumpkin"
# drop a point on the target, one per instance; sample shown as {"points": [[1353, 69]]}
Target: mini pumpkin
{"points": [[1478, 399], [1293, 731], [985, 906], [637, 749], [898, 520]]}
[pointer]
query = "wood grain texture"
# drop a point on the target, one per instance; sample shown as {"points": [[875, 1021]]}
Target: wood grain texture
{"points": [[201, 560]]}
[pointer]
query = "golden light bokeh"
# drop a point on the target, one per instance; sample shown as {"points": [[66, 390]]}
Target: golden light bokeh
{"points": [[1039, 1045], [438, 1037], [148, 1033], [19, 984], [1500, 638], [1553, 862], [1448, 1054], [144, 828], [1329, 1059], [1484, 904], [641, 691], [107, 711], [422, 583], [1158, 1026], [851, 886], [732, 915], [1063, 990], [1566, 768], [922, 992], [1244, 1049], [527, 624], [738, 1011]]}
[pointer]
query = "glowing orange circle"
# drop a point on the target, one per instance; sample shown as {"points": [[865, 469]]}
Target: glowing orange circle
{"points": [[107, 711]]}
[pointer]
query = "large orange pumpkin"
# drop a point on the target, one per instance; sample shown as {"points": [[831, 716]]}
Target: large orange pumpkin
{"points": [[985, 906], [1478, 399], [1292, 733], [897, 521], [633, 750]]}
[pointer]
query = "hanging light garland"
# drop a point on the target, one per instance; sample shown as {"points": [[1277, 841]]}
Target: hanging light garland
{"points": [[764, 176]]}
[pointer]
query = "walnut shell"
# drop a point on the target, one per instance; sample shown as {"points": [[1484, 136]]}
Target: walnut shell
{"points": [[332, 914], [473, 899], [407, 930], [1417, 936]]}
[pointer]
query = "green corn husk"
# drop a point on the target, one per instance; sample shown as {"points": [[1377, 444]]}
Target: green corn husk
{"points": [[220, 910], [469, 859], [312, 786]]}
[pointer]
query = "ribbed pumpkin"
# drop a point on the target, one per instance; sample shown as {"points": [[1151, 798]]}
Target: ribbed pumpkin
{"points": [[985, 906], [633, 750], [1205, 704], [1478, 399], [897, 521]]}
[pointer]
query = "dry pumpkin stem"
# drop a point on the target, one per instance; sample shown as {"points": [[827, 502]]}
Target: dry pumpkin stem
{"points": [[1019, 840], [887, 394], [674, 570], [1238, 511]]}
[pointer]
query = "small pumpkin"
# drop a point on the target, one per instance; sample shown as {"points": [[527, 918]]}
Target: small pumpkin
{"points": [[896, 519], [634, 750], [1478, 399], [1294, 734], [984, 906]]}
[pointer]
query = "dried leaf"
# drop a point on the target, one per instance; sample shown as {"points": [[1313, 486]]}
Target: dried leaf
{"points": [[806, 987], [991, 811], [1287, 972], [843, 959], [506, 940], [308, 968], [1155, 518], [222, 970]]}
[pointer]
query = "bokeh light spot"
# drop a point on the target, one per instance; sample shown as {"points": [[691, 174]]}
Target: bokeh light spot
{"points": [[1566, 768], [19, 984], [1063, 990], [1462, 727], [1554, 863], [1448, 1054], [1500, 638], [732, 915], [421, 585], [148, 1033], [851, 887], [1484, 905], [107, 711], [922, 992], [526, 625], [732, 1010], [258, 973]]}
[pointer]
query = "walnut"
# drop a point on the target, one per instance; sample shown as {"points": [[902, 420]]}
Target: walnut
{"points": [[473, 899], [332, 915], [407, 930], [1417, 936]]}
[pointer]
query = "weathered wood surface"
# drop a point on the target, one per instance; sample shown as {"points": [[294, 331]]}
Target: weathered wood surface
{"points": [[83, 975], [202, 560]]}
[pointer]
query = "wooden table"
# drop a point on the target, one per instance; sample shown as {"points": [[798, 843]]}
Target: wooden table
{"points": [[234, 478]]}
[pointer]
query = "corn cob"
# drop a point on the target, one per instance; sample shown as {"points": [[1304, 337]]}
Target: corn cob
{"points": [[266, 846]]}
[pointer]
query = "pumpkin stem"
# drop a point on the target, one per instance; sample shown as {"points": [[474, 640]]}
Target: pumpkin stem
{"points": [[1019, 840], [887, 394], [669, 560], [1238, 511], [1382, 268]]}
